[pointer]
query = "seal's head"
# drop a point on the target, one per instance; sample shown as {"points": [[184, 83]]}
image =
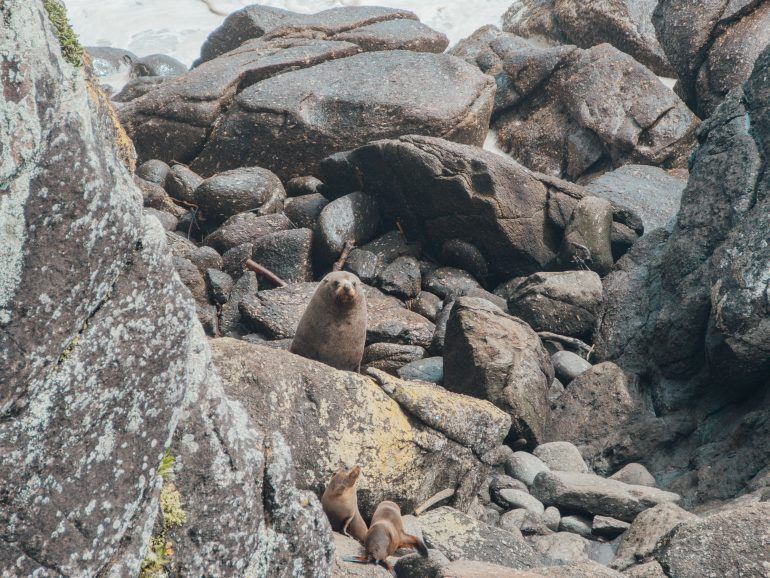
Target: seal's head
{"points": [[378, 542], [343, 481], [344, 287]]}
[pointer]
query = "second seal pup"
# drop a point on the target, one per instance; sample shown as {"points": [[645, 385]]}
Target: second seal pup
{"points": [[333, 328], [340, 503], [386, 535]]}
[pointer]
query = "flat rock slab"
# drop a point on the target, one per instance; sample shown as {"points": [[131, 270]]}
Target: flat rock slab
{"points": [[290, 122], [596, 495], [459, 536]]}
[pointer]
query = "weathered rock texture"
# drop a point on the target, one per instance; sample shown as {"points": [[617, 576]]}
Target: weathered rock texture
{"points": [[407, 451], [688, 311], [105, 366], [626, 24], [712, 45], [440, 190], [284, 90], [571, 112]]}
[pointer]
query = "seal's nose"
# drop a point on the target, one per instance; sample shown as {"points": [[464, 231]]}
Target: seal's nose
{"points": [[347, 287]]}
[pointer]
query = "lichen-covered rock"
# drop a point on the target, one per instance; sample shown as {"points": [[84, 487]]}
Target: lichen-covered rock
{"points": [[104, 363], [698, 547], [460, 537], [353, 420], [491, 355]]}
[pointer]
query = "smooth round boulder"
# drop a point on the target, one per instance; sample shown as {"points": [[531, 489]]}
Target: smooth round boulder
{"points": [[354, 217], [157, 65], [248, 189]]}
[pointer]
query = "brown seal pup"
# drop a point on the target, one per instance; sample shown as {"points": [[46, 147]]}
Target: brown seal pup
{"points": [[333, 328], [340, 503], [386, 535]]}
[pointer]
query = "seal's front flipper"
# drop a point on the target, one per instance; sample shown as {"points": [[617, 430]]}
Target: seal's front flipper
{"points": [[409, 541]]}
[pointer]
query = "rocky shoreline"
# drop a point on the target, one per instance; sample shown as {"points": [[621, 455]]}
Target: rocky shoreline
{"points": [[567, 348]]}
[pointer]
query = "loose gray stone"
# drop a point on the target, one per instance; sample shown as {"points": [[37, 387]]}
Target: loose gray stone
{"points": [[568, 365], [561, 457]]}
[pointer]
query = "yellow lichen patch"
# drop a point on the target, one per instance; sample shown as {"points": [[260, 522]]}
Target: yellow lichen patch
{"points": [[125, 146], [171, 506]]}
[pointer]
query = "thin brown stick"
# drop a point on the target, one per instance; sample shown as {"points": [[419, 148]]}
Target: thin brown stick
{"points": [[266, 273], [574, 342], [433, 500], [346, 249]]}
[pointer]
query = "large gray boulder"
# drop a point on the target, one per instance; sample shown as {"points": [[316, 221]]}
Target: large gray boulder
{"points": [[290, 122], [688, 309], [407, 454], [698, 547], [712, 45], [105, 367], [440, 191], [491, 355], [626, 24]]}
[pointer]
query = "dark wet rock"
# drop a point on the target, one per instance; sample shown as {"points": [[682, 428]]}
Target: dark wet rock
{"points": [[596, 403], [234, 260], [356, 422], [492, 355], [622, 238], [558, 130], [304, 186], [390, 246], [389, 357], [430, 369], [245, 287], [192, 278], [304, 211], [207, 316], [256, 21], [153, 171], [627, 25], [286, 253], [651, 192], [205, 258], [400, 34], [104, 364], [638, 544], [698, 547], [561, 457], [354, 217], [251, 189], [460, 537], [596, 495], [138, 87], [463, 255], [440, 191], [108, 61], [439, 336], [569, 365], [587, 239], [426, 304], [449, 282], [246, 228], [168, 220], [712, 45], [688, 309], [181, 184], [634, 474], [566, 303], [363, 263], [155, 197], [157, 65], [293, 120], [219, 285], [278, 311], [401, 278]]}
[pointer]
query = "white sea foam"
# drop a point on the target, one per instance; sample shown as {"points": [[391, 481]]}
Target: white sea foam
{"points": [[179, 27]]}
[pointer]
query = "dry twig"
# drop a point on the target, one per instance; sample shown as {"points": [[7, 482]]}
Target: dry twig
{"points": [[266, 273]]}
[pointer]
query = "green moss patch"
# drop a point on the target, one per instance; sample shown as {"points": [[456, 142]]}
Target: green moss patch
{"points": [[70, 45]]}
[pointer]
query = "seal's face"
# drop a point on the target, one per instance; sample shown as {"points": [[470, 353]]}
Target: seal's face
{"points": [[343, 286], [344, 480]]}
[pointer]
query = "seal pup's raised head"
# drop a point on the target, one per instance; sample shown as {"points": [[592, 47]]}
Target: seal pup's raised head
{"points": [[340, 503]]}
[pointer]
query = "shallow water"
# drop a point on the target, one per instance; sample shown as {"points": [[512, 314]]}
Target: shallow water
{"points": [[179, 27]]}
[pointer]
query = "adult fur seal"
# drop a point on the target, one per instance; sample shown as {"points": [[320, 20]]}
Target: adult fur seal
{"points": [[340, 503], [386, 535], [333, 328]]}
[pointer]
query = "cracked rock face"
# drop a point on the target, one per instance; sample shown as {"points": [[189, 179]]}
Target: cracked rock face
{"points": [[105, 366], [712, 44], [285, 90]]}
